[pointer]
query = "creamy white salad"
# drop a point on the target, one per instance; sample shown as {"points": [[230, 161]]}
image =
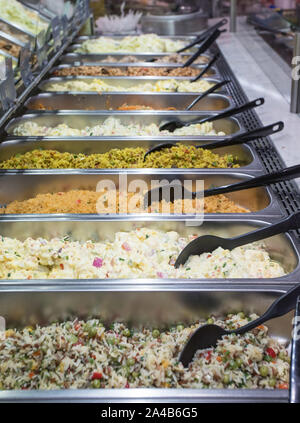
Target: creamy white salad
{"points": [[145, 43], [112, 127], [101, 85], [142, 253]]}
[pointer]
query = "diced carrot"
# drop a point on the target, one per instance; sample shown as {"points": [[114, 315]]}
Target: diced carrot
{"points": [[283, 385]]}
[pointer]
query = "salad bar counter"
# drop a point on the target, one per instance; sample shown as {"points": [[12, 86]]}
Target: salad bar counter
{"points": [[94, 299]]}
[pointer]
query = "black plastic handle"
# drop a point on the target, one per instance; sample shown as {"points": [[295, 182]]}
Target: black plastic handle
{"points": [[285, 174], [288, 224], [207, 92], [264, 131], [206, 68], [204, 35], [283, 305], [295, 359], [234, 111], [204, 46]]}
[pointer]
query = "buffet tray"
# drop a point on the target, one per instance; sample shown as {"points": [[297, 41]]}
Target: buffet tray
{"points": [[143, 58], [246, 155], [121, 81], [94, 101], [281, 248], [19, 187], [212, 72], [143, 304], [82, 119]]}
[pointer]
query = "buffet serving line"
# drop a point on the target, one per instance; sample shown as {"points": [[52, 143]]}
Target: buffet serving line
{"points": [[109, 279]]}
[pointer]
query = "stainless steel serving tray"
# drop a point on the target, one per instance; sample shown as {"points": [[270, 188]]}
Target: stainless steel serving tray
{"points": [[143, 58], [22, 29], [246, 155], [19, 187], [120, 81], [163, 305], [282, 248], [82, 119], [212, 72], [94, 101], [78, 41]]}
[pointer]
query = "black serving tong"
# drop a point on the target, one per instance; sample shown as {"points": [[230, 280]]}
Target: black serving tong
{"points": [[203, 47], [175, 124], [233, 140], [209, 243], [286, 174], [263, 131], [207, 92], [206, 43], [295, 359], [204, 35], [206, 68], [208, 335]]}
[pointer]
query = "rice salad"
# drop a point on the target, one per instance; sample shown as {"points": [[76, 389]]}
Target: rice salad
{"points": [[179, 156], [87, 355], [112, 127], [141, 253], [145, 43], [101, 85]]}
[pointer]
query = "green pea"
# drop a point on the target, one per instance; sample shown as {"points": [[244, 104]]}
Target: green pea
{"points": [[272, 382], [96, 383], [111, 340], [155, 333], [126, 332], [68, 326], [233, 365], [131, 362], [239, 362], [210, 321], [282, 355], [92, 332], [226, 379], [264, 371], [73, 339]]}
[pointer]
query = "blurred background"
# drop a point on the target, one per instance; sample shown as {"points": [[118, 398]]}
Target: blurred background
{"points": [[213, 8]]}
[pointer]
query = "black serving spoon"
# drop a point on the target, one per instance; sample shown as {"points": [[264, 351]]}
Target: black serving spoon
{"points": [[208, 335], [209, 243], [206, 67], [207, 92], [263, 131], [176, 124], [204, 35], [157, 194], [203, 47]]}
